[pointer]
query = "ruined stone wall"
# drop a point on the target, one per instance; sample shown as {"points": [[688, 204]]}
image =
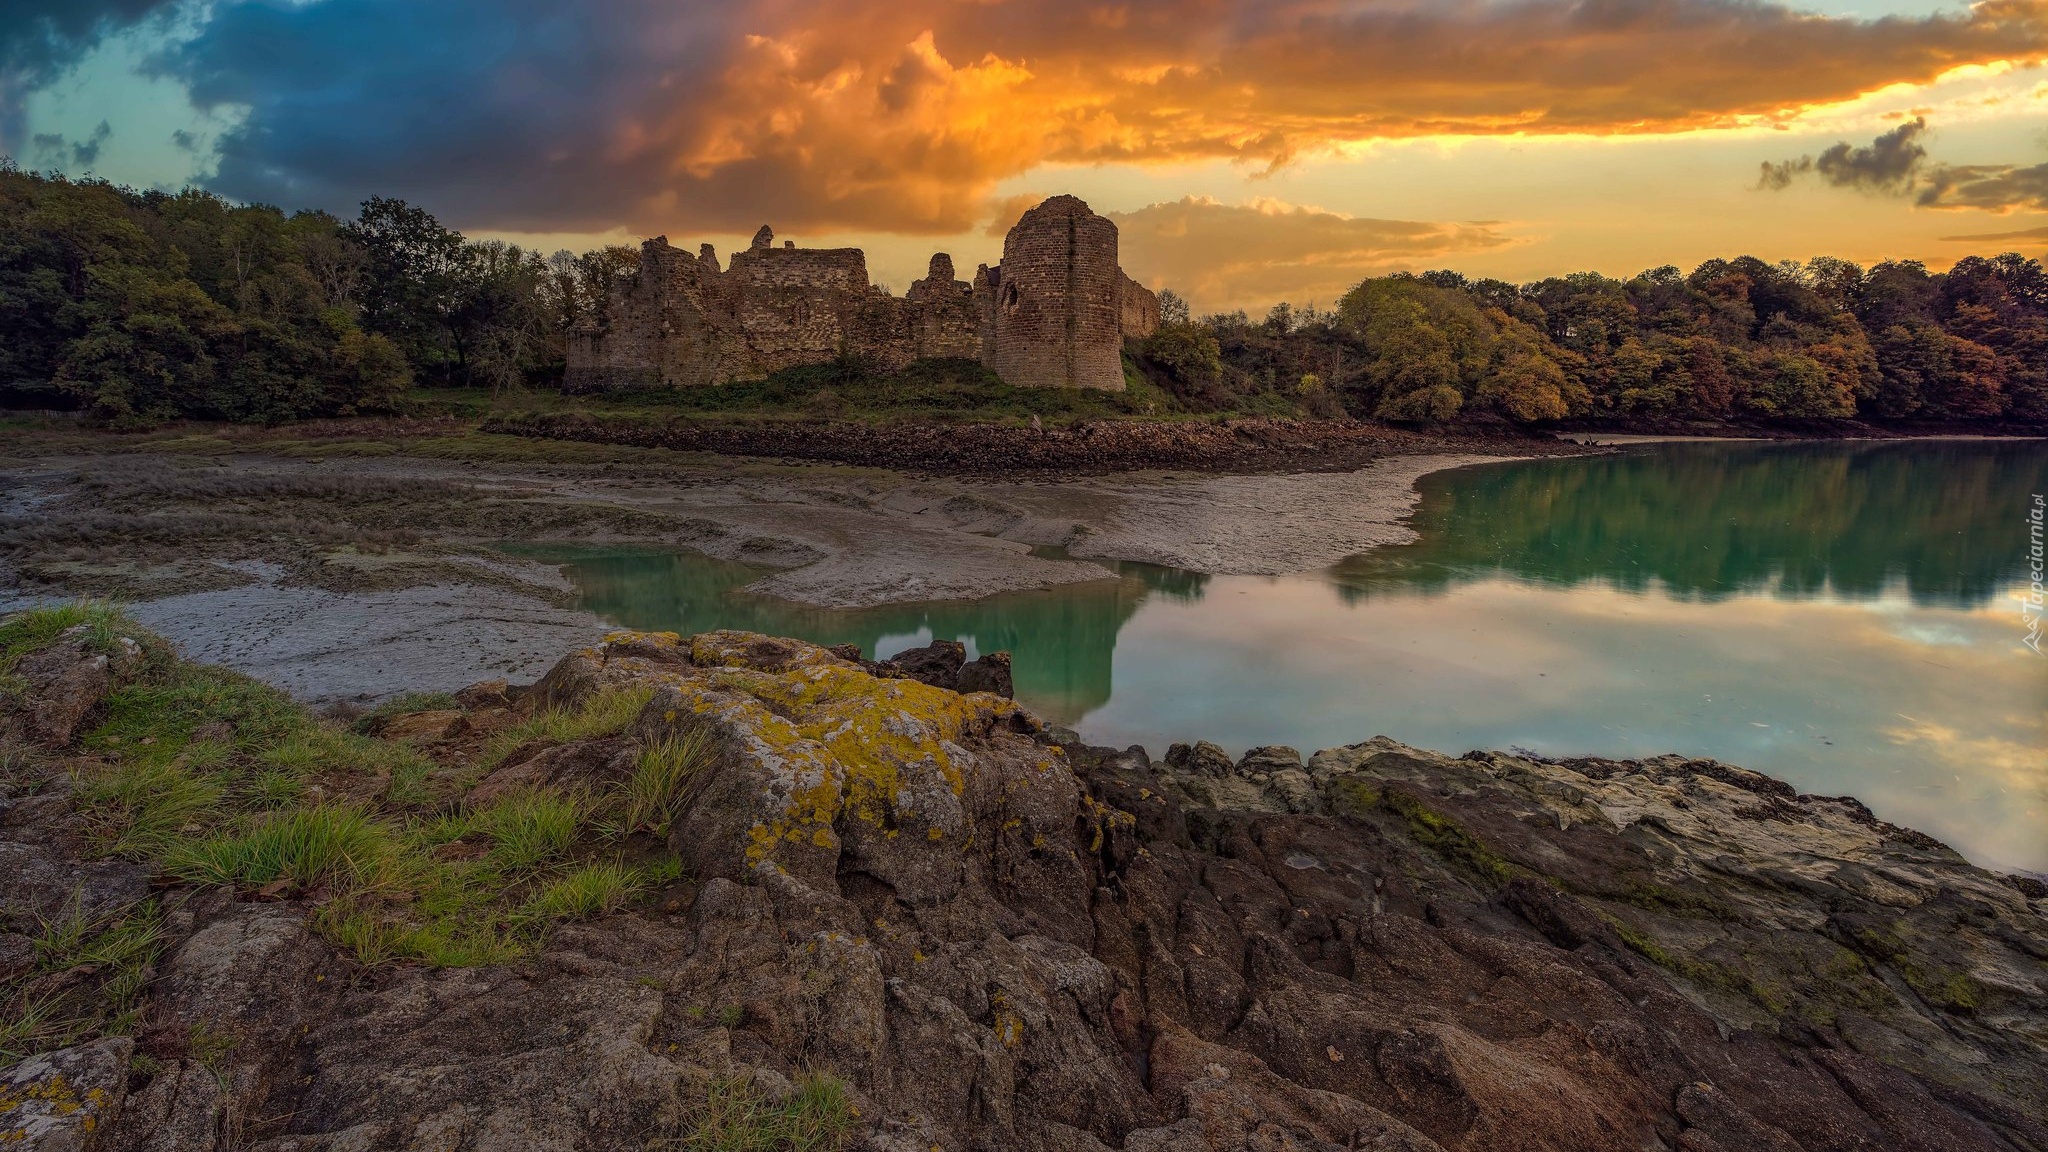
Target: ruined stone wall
{"points": [[945, 317], [1058, 307], [1054, 313], [1137, 308], [798, 305], [659, 330]]}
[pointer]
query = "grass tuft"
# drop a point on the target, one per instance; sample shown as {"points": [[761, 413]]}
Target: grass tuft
{"points": [[532, 827], [607, 712], [168, 708], [335, 844], [35, 628], [591, 890], [661, 774], [738, 1117], [142, 807], [87, 979]]}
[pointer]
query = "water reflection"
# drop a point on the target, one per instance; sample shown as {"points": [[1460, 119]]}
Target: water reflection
{"points": [[1719, 520], [1062, 641], [1843, 616]]}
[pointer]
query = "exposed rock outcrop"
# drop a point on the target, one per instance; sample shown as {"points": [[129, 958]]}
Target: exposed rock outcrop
{"points": [[1003, 940], [62, 683]]}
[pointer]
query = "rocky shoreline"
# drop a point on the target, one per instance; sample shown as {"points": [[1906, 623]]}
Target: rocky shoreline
{"points": [[961, 929]]}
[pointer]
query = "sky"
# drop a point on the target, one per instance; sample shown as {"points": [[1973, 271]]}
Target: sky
{"points": [[1250, 151]]}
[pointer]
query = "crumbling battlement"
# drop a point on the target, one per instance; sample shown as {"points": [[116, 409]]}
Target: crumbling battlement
{"points": [[1054, 313]]}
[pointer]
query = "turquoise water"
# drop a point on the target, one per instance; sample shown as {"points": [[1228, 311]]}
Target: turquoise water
{"points": [[1846, 617]]}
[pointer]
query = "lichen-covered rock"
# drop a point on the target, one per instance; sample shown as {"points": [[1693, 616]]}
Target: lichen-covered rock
{"points": [[1199, 759], [61, 1101]]}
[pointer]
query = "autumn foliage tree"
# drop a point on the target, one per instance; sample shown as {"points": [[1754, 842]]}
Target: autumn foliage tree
{"points": [[1732, 340]]}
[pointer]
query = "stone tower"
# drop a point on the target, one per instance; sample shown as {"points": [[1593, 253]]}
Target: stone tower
{"points": [[1057, 313]]}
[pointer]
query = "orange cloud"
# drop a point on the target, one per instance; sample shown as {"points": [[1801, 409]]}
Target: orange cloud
{"points": [[1250, 255], [903, 116]]}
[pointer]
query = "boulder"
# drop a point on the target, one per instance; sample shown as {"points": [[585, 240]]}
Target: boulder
{"points": [[937, 663], [999, 938], [484, 695], [1199, 759], [990, 673]]}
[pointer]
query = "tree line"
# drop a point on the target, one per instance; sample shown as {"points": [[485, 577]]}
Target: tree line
{"points": [[150, 305], [144, 305], [1731, 340]]}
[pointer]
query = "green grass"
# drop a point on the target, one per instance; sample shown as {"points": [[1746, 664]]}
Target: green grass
{"points": [[87, 979], [592, 890], [736, 1116], [26, 631], [333, 844], [661, 774], [847, 388], [168, 707], [324, 749], [140, 808], [606, 713], [532, 827], [21, 767], [214, 778]]}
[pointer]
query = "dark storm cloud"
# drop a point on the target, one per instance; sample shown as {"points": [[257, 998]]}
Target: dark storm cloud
{"points": [[498, 113], [1890, 163]]}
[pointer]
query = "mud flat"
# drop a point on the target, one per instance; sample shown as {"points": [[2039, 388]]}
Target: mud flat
{"points": [[353, 576]]}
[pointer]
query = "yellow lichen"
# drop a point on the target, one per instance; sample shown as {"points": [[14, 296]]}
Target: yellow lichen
{"points": [[871, 733]]}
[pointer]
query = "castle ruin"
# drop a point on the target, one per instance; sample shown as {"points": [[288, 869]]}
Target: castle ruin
{"points": [[1053, 314]]}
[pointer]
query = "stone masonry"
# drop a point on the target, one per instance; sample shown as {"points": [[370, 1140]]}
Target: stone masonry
{"points": [[1053, 314]]}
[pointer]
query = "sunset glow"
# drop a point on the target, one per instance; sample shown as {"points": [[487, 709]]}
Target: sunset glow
{"points": [[1304, 144]]}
